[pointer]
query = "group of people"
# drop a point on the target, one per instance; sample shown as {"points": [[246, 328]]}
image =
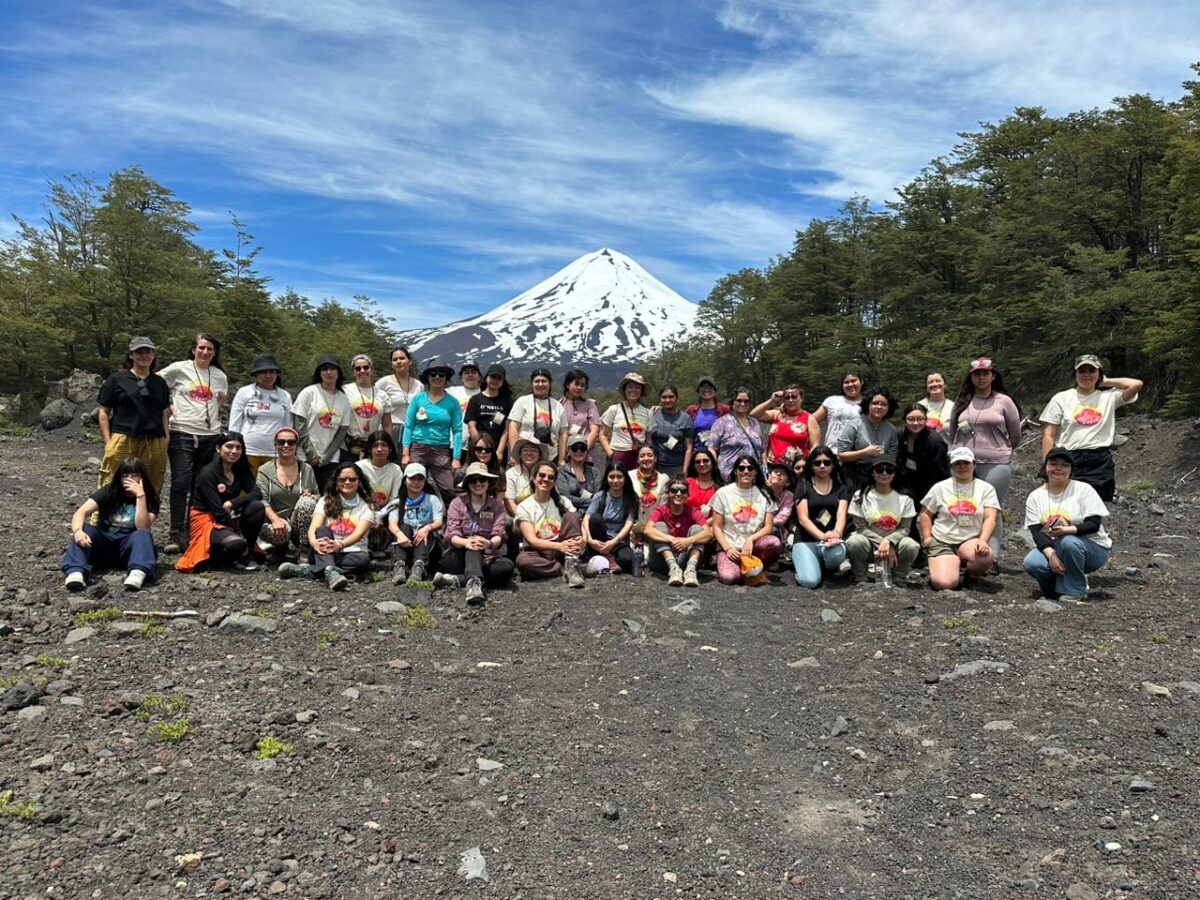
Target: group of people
{"points": [[466, 484]]}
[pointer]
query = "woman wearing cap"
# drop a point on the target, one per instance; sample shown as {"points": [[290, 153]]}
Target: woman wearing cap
{"points": [[837, 411], [469, 378], [1084, 421], [649, 483], [550, 531], [882, 517], [672, 432], [793, 432], [135, 405], [578, 479], [609, 522], [338, 531], [475, 535], [384, 480], [986, 420], [537, 416], [958, 516], [433, 428], [367, 403], [227, 510], [289, 492], [414, 524], [736, 434], [822, 512], [198, 390], [936, 404], [703, 480], [397, 389], [1065, 517], [743, 518], [488, 410], [625, 425], [579, 412], [322, 416], [677, 535], [260, 409], [870, 437], [705, 411]]}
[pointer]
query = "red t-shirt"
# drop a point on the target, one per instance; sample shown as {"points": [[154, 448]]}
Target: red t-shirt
{"points": [[677, 526], [698, 496], [786, 434]]}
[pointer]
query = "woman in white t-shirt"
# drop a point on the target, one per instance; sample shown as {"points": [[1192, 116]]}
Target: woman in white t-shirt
{"points": [[368, 404], [397, 389], [937, 405], [625, 426], [958, 516], [1084, 421], [198, 390], [385, 480], [1065, 517], [839, 410], [322, 415], [338, 531], [536, 416], [550, 532], [882, 517], [743, 519], [260, 409]]}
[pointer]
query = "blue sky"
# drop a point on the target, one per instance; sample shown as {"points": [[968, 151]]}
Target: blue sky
{"points": [[442, 157]]}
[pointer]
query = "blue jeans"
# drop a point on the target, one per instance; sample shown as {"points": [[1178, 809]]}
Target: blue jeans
{"points": [[128, 550], [1079, 555], [811, 559]]}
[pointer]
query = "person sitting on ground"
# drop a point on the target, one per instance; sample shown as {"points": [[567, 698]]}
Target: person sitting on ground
{"points": [[936, 404], [798, 485], [703, 480], [736, 435], [626, 425], [338, 531], [743, 518], [672, 432], [537, 416], [322, 416], [705, 411], [609, 520], [289, 492], [578, 479], [488, 411], [384, 480], [580, 413], [415, 524], [1065, 517], [1083, 419], [125, 509], [519, 477], [869, 437], [779, 483], [957, 518], [227, 510], [550, 531], [475, 537], [367, 403], [822, 510], [260, 409], [482, 450], [793, 432], [882, 517], [677, 536]]}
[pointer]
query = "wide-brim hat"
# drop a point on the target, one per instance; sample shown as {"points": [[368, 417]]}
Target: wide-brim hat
{"points": [[328, 360], [435, 365], [264, 363], [522, 443], [631, 378], [478, 470]]}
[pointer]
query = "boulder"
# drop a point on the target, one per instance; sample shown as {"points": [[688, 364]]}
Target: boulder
{"points": [[57, 414], [91, 416], [10, 405], [81, 386]]}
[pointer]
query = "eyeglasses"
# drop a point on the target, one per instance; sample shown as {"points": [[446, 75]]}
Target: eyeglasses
{"points": [[285, 442], [677, 490], [885, 470], [348, 480], [362, 368], [438, 375], [483, 448], [743, 468], [914, 420], [822, 463], [543, 477]]}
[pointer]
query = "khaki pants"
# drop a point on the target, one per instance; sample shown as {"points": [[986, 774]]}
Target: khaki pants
{"points": [[151, 451]]}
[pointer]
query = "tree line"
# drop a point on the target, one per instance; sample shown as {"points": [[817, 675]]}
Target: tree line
{"points": [[1034, 239]]}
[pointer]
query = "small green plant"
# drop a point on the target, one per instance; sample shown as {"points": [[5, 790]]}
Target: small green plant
{"points": [[419, 585], [51, 662], [1137, 488], [269, 747], [7, 681], [10, 428], [1106, 647], [156, 704], [14, 808], [307, 615], [418, 617], [326, 639], [962, 622], [100, 617], [272, 588], [172, 732], [262, 612], [153, 630], [1159, 637], [376, 577]]}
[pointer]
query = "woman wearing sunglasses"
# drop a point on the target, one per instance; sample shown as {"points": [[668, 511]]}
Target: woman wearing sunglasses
{"points": [[135, 405], [821, 513], [338, 531], [482, 450], [550, 531], [578, 479], [289, 492], [736, 434], [743, 518], [882, 517], [703, 480], [677, 535], [793, 432], [475, 535], [368, 405], [433, 428]]}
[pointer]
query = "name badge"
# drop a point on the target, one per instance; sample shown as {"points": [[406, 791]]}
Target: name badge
{"points": [[486, 517], [671, 443], [498, 419], [704, 436], [421, 414], [824, 518], [574, 429]]}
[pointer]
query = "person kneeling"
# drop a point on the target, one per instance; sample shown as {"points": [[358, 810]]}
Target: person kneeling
{"points": [[958, 517], [227, 510], [882, 517], [610, 518], [550, 531], [743, 517], [415, 524], [475, 535], [338, 531], [1065, 518], [678, 535], [125, 509]]}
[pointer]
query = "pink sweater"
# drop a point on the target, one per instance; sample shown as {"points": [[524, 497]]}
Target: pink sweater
{"points": [[994, 430]]}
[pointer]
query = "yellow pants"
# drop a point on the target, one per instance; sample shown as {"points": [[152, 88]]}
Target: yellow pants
{"points": [[151, 451]]}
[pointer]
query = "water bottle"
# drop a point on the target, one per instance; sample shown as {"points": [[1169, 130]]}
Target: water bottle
{"points": [[884, 568], [638, 560]]}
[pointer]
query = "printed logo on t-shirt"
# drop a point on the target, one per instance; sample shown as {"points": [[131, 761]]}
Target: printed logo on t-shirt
{"points": [[342, 527], [886, 521], [199, 391], [638, 430], [743, 512], [379, 498], [1056, 516], [366, 409], [962, 505], [1087, 415], [542, 417], [546, 528], [934, 420], [649, 498], [326, 416]]}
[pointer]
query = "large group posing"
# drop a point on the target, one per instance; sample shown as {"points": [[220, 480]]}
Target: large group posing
{"points": [[465, 484]]}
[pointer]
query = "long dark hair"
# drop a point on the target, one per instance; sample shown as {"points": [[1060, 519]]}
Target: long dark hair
{"points": [[241, 468], [629, 497], [835, 474], [576, 375], [493, 465], [554, 495], [215, 362], [381, 436], [759, 481], [712, 457], [332, 496], [113, 495], [966, 393], [868, 483]]}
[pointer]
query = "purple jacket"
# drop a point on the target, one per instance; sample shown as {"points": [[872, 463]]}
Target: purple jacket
{"points": [[460, 522]]}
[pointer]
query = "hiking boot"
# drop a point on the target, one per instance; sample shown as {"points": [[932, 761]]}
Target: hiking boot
{"points": [[417, 574], [174, 544], [571, 573], [474, 592], [335, 580], [75, 582], [444, 579], [135, 579], [399, 571], [674, 574], [690, 578], [294, 570]]}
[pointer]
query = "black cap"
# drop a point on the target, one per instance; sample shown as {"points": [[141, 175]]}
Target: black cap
{"points": [[467, 365], [497, 369], [1061, 453]]}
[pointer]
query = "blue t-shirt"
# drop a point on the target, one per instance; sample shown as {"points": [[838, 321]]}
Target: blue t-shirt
{"points": [[704, 419], [611, 511], [420, 511], [664, 428]]}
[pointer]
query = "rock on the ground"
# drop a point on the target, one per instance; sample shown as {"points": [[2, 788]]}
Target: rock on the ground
{"points": [[1042, 604], [809, 662], [976, 667], [830, 616], [391, 608], [57, 414], [20, 695], [75, 635], [248, 624]]}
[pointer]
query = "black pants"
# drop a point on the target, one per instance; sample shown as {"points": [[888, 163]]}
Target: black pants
{"points": [[187, 455], [493, 573], [353, 559], [1095, 467], [623, 552], [232, 542], [416, 552]]}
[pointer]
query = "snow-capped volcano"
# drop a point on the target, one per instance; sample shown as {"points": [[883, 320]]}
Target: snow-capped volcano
{"points": [[602, 311]]}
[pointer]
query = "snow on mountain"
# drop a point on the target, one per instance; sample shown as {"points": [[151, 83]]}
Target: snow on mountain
{"points": [[603, 311]]}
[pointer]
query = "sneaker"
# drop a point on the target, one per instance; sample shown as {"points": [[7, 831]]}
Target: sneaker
{"points": [[418, 573], [914, 578], [174, 544], [1072, 598], [75, 582], [571, 573], [246, 565], [399, 572], [844, 567], [294, 570], [674, 574], [444, 579], [135, 579], [335, 580], [474, 592], [690, 578]]}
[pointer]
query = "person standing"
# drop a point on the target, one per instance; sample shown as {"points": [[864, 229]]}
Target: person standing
{"points": [[937, 405], [837, 411], [793, 432], [736, 434], [397, 389], [579, 412], [537, 416], [672, 433], [705, 411], [488, 410], [260, 409], [135, 405], [367, 404], [469, 378], [626, 424], [322, 415], [432, 428]]}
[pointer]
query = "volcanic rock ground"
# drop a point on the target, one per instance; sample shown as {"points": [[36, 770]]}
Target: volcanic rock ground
{"points": [[598, 743]]}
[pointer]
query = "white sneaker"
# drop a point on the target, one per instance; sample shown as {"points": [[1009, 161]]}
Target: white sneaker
{"points": [[134, 580], [844, 567], [75, 582]]}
